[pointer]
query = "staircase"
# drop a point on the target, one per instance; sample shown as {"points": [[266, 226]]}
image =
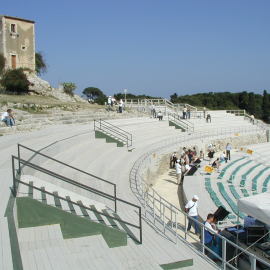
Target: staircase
{"points": [[183, 124], [41, 203], [112, 133]]}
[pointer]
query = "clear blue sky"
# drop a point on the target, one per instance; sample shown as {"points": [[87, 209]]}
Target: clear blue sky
{"points": [[156, 47]]}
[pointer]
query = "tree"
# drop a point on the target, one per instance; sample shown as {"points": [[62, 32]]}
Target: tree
{"points": [[174, 98], [93, 92], [243, 100], [41, 66], [251, 104], [266, 107], [2, 63], [15, 81], [69, 88], [96, 94]]}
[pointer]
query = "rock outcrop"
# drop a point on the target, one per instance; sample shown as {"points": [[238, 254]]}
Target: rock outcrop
{"points": [[42, 87]]}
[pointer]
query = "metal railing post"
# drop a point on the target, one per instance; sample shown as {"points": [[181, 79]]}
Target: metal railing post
{"points": [[186, 227], [140, 223], [252, 262], [202, 239], [224, 255], [19, 158], [14, 177], [163, 216], [115, 200]]}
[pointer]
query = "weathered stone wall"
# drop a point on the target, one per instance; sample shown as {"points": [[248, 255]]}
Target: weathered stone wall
{"points": [[21, 44], [239, 141]]}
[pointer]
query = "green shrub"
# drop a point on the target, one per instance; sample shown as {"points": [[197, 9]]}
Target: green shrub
{"points": [[69, 88], [15, 81]]}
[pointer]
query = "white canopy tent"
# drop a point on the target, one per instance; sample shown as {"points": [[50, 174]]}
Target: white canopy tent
{"points": [[257, 206]]}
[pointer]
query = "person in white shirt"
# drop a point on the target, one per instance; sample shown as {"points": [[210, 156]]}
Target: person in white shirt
{"points": [[178, 171], [228, 151], [191, 209], [8, 118], [185, 112], [209, 230], [121, 104], [159, 116], [153, 111]]}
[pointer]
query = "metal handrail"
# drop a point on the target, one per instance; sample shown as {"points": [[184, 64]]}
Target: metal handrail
{"points": [[38, 153], [113, 130], [166, 213], [159, 101], [16, 181], [177, 118]]}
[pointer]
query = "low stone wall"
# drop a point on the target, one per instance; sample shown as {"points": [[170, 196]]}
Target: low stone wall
{"points": [[239, 141]]}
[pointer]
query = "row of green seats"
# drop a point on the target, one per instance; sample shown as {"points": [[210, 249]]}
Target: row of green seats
{"points": [[212, 193], [235, 171], [265, 184], [255, 179], [245, 192], [229, 200], [215, 198], [234, 192], [223, 171], [244, 176]]}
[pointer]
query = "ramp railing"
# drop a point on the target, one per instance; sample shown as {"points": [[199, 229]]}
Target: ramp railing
{"points": [[176, 118], [19, 166], [114, 131]]}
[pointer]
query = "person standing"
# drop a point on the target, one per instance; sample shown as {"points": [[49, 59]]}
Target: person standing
{"points": [[208, 118], [121, 104], [153, 111], [228, 151], [173, 159], [191, 209], [204, 112], [188, 113], [185, 112], [178, 171]]}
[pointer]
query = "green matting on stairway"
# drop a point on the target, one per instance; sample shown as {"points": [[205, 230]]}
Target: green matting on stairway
{"points": [[109, 139], [171, 123], [177, 265], [32, 213]]}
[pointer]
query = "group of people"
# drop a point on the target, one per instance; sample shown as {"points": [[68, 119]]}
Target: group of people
{"points": [[224, 156], [183, 162], [8, 118], [154, 113], [186, 112], [112, 101]]}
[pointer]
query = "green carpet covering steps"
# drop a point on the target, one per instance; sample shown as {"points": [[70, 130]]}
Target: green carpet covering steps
{"points": [[212, 193], [236, 170], [244, 176], [223, 171], [255, 179], [227, 198], [245, 192], [265, 184], [177, 265], [109, 139], [177, 126], [234, 192], [32, 213]]}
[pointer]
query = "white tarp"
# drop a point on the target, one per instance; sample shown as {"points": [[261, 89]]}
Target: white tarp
{"points": [[257, 206]]}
